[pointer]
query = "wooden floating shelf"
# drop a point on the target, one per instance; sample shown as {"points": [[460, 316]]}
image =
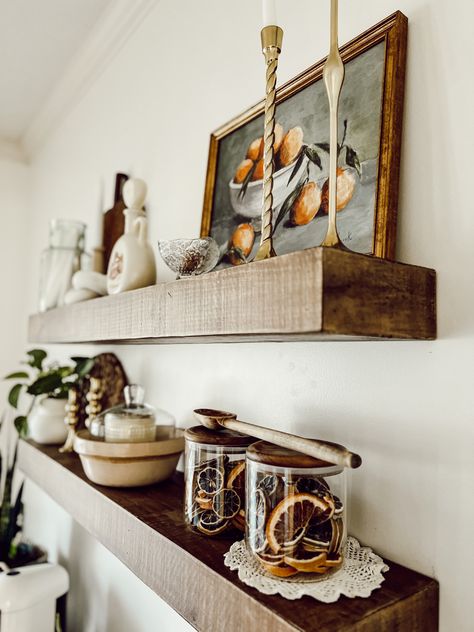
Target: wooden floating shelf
{"points": [[144, 528], [309, 295]]}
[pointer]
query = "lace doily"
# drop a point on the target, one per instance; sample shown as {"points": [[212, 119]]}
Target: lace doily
{"points": [[360, 574]]}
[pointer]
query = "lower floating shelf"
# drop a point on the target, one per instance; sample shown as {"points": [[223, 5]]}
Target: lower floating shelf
{"points": [[145, 530]]}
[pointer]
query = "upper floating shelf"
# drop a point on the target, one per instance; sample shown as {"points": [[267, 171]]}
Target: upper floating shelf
{"points": [[315, 294]]}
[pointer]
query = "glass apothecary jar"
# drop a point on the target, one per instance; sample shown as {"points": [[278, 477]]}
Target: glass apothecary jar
{"points": [[214, 502], [60, 261], [295, 511]]}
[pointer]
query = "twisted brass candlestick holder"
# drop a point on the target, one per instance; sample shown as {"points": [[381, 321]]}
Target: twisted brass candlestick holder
{"points": [[272, 38]]}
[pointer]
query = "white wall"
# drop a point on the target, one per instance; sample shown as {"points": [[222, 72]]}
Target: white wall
{"points": [[14, 253], [406, 407]]}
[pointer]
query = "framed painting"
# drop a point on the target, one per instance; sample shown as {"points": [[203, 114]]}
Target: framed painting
{"points": [[370, 124]]}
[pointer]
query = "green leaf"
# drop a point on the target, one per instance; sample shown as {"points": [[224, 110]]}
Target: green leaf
{"points": [[301, 157], [352, 159], [313, 155], [246, 181], [45, 385], [324, 146], [18, 375], [21, 425], [36, 358], [14, 394], [84, 367]]}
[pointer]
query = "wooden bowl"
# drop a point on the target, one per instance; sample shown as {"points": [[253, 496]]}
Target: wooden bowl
{"points": [[130, 464]]}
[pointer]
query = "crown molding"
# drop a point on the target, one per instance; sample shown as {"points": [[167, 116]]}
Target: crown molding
{"points": [[12, 151], [109, 34]]}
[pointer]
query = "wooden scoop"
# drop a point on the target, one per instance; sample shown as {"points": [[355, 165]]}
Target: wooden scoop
{"points": [[216, 419]]}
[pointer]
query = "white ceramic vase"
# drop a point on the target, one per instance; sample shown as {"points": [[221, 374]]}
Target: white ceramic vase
{"points": [[46, 422]]}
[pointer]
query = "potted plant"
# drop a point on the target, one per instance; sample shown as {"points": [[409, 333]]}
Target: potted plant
{"points": [[48, 386]]}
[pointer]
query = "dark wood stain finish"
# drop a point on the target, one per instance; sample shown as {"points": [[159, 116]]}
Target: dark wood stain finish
{"points": [[145, 530]]}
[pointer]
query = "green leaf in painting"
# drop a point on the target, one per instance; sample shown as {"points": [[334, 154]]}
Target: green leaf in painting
{"points": [[298, 163], [18, 375], [21, 425], [14, 394], [36, 358], [246, 181], [352, 159], [323, 146], [313, 155]]}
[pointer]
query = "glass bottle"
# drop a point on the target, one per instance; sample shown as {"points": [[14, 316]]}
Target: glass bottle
{"points": [[295, 512], [60, 261]]}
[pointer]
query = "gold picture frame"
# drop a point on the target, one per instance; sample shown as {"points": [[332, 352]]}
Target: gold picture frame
{"points": [[392, 33]]}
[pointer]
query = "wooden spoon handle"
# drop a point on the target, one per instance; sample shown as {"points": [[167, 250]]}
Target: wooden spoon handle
{"points": [[312, 447]]}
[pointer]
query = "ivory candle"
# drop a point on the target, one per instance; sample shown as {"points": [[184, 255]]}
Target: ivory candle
{"points": [[269, 13]]}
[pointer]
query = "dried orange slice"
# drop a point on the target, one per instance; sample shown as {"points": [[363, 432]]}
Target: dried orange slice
{"points": [[337, 535], [307, 485], [236, 480], [210, 524], [270, 484], [210, 480], [288, 521], [270, 558], [279, 571], [308, 563], [333, 559], [226, 503]]}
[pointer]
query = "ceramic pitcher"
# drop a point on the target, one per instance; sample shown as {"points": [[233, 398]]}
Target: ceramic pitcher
{"points": [[132, 262]]}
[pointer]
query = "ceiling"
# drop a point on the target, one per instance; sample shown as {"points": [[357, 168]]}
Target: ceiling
{"points": [[38, 40]]}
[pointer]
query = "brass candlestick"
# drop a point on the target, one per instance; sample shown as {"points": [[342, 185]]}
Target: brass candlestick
{"points": [[272, 38], [333, 74]]}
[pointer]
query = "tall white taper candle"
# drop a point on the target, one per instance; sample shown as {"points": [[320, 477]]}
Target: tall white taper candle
{"points": [[269, 13]]}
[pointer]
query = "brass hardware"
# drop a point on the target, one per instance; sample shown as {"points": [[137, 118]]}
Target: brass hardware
{"points": [[333, 75], [272, 38]]}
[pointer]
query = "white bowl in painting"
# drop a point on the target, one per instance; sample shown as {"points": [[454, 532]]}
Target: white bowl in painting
{"points": [[189, 257], [250, 205]]}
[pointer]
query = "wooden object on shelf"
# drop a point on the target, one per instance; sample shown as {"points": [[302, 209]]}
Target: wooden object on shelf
{"points": [[320, 450], [144, 528], [315, 294], [72, 418], [114, 220]]}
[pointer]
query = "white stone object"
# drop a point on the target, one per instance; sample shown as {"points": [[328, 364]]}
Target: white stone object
{"points": [[89, 280], [77, 296]]}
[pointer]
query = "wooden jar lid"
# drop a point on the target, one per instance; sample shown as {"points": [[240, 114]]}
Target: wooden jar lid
{"points": [[271, 454], [224, 437]]}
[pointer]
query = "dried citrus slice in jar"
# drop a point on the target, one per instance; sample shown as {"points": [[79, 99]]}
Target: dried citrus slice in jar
{"points": [[279, 571], [210, 480], [288, 521], [307, 563], [210, 523], [236, 480], [226, 503]]}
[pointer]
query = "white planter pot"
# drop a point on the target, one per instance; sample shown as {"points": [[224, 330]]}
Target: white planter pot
{"points": [[46, 422]]}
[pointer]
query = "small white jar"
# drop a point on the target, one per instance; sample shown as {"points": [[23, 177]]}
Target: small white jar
{"points": [[134, 422]]}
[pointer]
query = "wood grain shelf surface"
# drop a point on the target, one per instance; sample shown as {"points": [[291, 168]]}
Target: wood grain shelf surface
{"points": [[315, 294], [145, 530]]}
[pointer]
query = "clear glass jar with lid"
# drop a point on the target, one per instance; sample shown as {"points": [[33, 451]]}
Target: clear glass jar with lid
{"points": [[60, 261], [132, 422], [214, 501], [295, 511]]}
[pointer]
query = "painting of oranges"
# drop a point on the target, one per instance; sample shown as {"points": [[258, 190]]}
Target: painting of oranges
{"points": [[234, 190]]}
